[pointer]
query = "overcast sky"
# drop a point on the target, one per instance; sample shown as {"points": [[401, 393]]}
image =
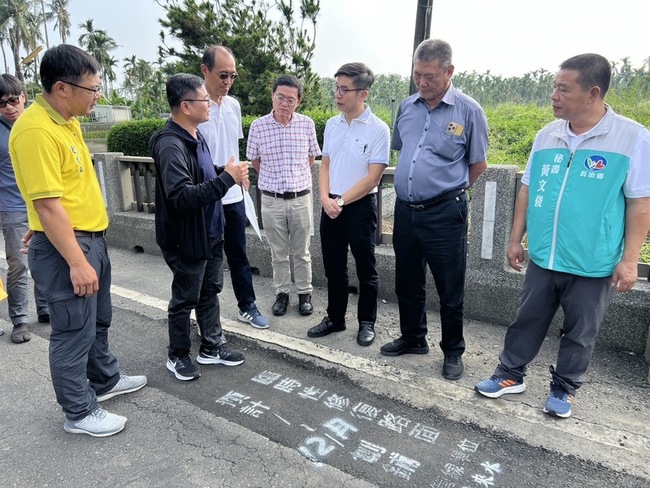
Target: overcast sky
{"points": [[506, 37]]}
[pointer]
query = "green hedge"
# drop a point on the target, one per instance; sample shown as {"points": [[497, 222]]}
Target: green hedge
{"points": [[132, 138]]}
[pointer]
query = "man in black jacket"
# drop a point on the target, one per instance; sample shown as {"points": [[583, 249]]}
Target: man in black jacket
{"points": [[189, 226]]}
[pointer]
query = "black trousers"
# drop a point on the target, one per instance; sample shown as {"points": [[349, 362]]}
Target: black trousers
{"points": [[235, 248], [195, 285], [436, 237], [355, 227]]}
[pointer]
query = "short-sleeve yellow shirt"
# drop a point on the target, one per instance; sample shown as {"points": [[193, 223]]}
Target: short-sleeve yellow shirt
{"points": [[51, 160]]}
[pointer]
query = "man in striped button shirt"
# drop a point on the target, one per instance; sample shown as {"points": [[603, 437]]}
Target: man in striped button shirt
{"points": [[282, 147]]}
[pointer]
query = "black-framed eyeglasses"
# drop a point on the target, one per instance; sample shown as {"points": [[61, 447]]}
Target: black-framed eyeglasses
{"points": [[94, 91], [343, 90], [196, 100], [11, 101]]}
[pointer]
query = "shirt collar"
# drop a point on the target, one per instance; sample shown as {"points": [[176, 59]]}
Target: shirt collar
{"points": [[363, 118], [449, 97], [53, 114], [293, 117]]}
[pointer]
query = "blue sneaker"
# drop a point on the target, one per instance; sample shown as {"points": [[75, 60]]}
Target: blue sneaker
{"points": [[558, 402], [254, 317], [495, 386]]}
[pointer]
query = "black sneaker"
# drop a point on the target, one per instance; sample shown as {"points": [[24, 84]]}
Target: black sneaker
{"points": [[280, 305], [304, 304], [220, 355], [183, 368]]}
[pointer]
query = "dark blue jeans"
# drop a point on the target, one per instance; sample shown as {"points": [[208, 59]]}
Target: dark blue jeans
{"points": [[195, 286], [355, 227], [235, 248], [436, 237], [81, 363]]}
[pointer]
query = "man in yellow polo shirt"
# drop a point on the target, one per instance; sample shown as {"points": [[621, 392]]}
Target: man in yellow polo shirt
{"points": [[67, 256]]}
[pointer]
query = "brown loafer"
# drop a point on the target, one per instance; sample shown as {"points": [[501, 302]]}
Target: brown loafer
{"points": [[20, 334]]}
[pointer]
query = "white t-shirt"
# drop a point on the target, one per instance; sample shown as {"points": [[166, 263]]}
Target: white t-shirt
{"points": [[222, 133]]}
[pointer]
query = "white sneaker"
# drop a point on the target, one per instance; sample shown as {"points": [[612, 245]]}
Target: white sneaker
{"points": [[98, 423], [126, 384]]}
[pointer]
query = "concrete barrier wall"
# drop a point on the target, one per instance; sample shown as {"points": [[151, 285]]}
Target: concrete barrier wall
{"points": [[492, 289]]}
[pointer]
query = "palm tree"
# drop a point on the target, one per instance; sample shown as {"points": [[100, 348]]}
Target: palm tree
{"points": [[59, 11], [108, 73], [18, 18], [45, 16], [4, 37], [86, 39], [99, 44]]}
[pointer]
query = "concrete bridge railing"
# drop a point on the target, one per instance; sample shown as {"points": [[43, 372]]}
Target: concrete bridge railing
{"points": [[492, 289]]}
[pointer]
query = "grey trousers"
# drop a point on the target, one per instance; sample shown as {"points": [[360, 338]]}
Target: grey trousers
{"points": [[583, 300], [14, 227], [81, 364]]}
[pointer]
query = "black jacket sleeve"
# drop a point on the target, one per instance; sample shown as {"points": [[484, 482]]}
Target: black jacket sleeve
{"points": [[178, 173]]}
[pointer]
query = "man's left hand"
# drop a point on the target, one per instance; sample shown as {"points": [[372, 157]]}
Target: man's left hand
{"points": [[25, 241]]}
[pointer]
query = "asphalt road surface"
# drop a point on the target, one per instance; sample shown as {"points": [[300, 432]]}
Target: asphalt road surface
{"points": [[319, 411]]}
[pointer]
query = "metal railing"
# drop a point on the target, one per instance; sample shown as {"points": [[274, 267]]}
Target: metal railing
{"points": [[141, 197]]}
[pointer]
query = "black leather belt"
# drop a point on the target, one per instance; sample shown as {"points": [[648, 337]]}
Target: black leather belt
{"points": [[83, 233], [287, 195], [444, 197]]}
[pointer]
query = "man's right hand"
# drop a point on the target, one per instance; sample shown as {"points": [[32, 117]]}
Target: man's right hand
{"points": [[330, 207], [515, 255], [84, 279], [238, 171]]}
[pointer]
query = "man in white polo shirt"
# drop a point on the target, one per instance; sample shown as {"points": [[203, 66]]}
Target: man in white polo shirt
{"points": [[222, 133], [355, 154]]}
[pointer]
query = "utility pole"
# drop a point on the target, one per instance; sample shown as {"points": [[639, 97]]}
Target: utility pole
{"points": [[422, 29]]}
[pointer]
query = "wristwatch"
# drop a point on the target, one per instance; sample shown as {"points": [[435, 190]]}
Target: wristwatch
{"points": [[340, 202]]}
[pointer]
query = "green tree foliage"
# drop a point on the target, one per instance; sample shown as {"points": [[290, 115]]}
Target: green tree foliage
{"points": [[268, 38], [99, 44], [512, 129], [21, 28], [61, 16], [144, 85]]}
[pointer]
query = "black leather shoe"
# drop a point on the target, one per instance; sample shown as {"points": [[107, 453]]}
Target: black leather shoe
{"points": [[304, 304], [366, 334], [403, 346], [326, 327], [453, 367], [280, 305]]}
